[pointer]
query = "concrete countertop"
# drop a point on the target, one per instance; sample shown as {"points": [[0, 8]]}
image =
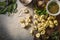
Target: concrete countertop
{"points": [[10, 28]]}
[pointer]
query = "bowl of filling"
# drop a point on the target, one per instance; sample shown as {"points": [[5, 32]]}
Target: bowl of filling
{"points": [[53, 7]]}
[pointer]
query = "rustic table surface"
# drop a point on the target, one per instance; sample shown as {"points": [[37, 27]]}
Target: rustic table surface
{"points": [[10, 29]]}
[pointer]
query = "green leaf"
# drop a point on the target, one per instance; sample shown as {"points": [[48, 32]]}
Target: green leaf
{"points": [[3, 11], [9, 8], [2, 3]]}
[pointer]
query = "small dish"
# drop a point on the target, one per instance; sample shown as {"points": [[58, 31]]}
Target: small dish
{"points": [[55, 14], [25, 2]]}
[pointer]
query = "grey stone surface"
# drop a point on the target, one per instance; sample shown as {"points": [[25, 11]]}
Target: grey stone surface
{"points": [[10, 28]]}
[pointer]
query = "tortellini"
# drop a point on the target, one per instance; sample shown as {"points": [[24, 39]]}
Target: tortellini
{"points": [[38, 35], [40, 23]]}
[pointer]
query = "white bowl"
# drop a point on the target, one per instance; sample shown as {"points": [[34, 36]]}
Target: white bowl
{"points": [[27, 2], [50, 12]]}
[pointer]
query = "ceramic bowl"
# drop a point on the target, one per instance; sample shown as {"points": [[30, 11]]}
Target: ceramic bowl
{"points": [[50, 12]]}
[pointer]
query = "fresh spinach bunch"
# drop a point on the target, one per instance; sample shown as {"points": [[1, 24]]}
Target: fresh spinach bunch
{"points": [[8, 7], [40, 11]]}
